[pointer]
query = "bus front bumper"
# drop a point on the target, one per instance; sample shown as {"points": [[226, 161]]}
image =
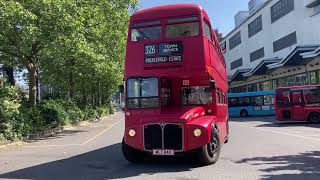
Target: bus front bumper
{"points": [[179, 137]]}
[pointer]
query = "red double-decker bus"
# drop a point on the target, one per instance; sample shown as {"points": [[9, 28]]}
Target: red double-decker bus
{"points": [[298, 103], [176, 85]]}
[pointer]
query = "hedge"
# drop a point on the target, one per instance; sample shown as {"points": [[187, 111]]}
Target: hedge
{"points": [[18, 121]]}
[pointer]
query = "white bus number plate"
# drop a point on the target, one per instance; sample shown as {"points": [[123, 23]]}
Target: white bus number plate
{"points": [[163, 152]]}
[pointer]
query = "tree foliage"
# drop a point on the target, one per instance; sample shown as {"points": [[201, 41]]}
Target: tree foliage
{"points": [[78, 46]]}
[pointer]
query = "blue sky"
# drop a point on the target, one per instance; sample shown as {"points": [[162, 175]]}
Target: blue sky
{"points": [[221, 12]]}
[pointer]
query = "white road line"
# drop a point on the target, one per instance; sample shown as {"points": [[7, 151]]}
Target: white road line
{"points": [[81, 144], [282, 133]]}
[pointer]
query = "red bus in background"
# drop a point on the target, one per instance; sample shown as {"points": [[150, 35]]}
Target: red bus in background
{"points": [[298, 103], [176, 85]]}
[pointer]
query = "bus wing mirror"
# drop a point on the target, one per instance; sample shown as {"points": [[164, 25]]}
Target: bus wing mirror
{"points": [[212, 84], [121, 89]]}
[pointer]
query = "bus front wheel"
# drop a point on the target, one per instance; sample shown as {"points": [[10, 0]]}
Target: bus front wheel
{"points": [[314, 118], [130, 154], [209, 153]]}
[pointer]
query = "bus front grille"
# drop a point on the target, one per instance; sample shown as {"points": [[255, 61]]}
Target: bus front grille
{"points": [[152, 137], [165, 136], [172, 137]]}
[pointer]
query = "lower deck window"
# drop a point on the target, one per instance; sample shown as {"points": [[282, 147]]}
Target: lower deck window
{"points": [[312, 96], [196, 95], [142, 93], [283, 98]]}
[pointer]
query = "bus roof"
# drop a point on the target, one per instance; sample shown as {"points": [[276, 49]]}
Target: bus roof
{"points": [[167, 11], [249, 94]]}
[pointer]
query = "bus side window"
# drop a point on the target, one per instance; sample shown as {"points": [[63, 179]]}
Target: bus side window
{"points": [[233, 102], [312, 96], [268, 100], [296, 98], [207, 30], [224, 98], [256, 101], [244, 101], [218, 96]]}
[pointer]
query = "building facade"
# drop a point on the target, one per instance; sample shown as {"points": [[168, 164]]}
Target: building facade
{"points": [[277, 45]]}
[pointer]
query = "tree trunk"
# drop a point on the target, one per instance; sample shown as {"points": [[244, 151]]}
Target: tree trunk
{"points": [[71, 79], [71, 86], [10, 74], [84, 94], [32, 77], [99, 94]]}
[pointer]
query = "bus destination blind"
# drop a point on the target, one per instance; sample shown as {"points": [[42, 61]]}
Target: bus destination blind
{"points": [[163, 52]]}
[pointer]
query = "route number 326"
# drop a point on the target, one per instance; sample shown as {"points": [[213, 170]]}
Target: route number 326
{"points": [[150, 50]]}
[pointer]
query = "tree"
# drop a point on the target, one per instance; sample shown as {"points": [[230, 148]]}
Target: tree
{"points": [[75, 43]]}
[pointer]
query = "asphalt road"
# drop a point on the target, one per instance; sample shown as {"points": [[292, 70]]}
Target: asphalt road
{"points": [[258, 148]]}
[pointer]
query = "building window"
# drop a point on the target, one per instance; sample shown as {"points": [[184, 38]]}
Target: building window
{"points": [[301, 80], [285, 42], [283, 82], [317, 9], [263, 86], [295, 80], [235, 40], [313, 77], [223, 47], [266, 86], [252, 87], [257, 54], [274, 84], [255, 26], [236, 64], [280, 9]]}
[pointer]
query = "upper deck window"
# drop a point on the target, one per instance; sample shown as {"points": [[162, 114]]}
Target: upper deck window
{"points": [[140, 33], [143, 24], [179, 20], [183, 30]]}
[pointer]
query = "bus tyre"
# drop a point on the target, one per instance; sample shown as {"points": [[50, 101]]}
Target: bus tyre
{"points": [[244, 113], [130, 154], [314, 117], [209, 153]]}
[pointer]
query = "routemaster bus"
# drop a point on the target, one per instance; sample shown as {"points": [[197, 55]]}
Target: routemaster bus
{"points": [[176, 85], [298, 103], [260, 103]]}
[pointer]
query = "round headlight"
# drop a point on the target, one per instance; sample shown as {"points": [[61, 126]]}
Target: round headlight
{"points": [[132, 132], [197, 132]]}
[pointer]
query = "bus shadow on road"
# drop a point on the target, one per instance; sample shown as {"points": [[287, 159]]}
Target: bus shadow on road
{"points": [[300, 166], [104, 163]]}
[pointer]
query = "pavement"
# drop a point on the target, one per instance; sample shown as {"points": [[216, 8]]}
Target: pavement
{"points": [[259, 148]]}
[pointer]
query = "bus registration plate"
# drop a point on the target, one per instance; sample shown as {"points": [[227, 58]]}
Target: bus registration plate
{"points": [[163, 152]]}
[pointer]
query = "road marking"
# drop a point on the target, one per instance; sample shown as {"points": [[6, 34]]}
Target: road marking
{"points": [[282, 133], [102, 132], [53, 145], [81, 144]]}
